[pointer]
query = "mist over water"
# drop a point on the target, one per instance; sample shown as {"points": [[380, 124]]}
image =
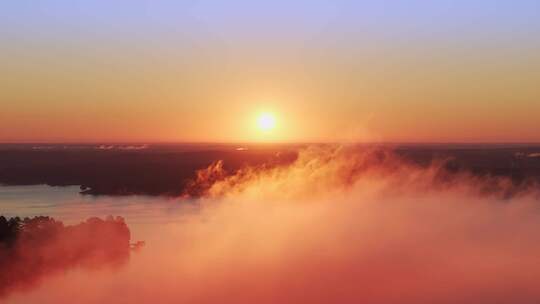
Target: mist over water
{"points": [[336, 226]]}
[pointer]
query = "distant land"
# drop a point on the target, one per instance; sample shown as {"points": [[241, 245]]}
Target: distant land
{"points": [[166, 169]]}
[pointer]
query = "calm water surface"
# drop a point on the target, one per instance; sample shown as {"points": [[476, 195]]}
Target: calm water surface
{"points": [[67, 205]]}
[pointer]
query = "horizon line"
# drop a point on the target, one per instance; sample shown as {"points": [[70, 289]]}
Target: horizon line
{"points": [[269, 142]]}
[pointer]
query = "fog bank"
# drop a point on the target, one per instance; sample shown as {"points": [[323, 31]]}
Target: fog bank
{"points": [[336, 226]]}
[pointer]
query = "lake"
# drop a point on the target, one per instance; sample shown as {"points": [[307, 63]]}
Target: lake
{"points": [[70, 207]]}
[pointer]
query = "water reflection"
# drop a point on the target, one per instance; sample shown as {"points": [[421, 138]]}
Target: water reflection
{"points": [[67, 205]]}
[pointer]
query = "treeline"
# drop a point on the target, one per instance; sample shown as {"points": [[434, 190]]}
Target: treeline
{"points": [[158, 171], [31, 248]]}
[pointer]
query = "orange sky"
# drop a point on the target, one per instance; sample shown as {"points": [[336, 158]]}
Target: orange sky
{"points": [[334, 82]]}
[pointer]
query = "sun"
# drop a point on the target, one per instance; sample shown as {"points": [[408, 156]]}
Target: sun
{"points": [[266, 122]]}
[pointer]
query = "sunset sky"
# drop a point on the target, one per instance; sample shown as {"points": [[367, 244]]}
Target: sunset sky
{"points": [[207, 71]]}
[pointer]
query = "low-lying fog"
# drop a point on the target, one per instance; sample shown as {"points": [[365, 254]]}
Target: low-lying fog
{"points": [[334, 227]]}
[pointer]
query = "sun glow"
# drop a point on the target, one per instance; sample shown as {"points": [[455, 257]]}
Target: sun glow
{"points": [[266, 122]]}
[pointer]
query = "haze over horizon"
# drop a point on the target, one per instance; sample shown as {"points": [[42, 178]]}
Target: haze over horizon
{"points": [[329, 71]]}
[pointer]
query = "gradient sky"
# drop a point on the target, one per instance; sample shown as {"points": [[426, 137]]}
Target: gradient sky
{"points": [[395, 71]]}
